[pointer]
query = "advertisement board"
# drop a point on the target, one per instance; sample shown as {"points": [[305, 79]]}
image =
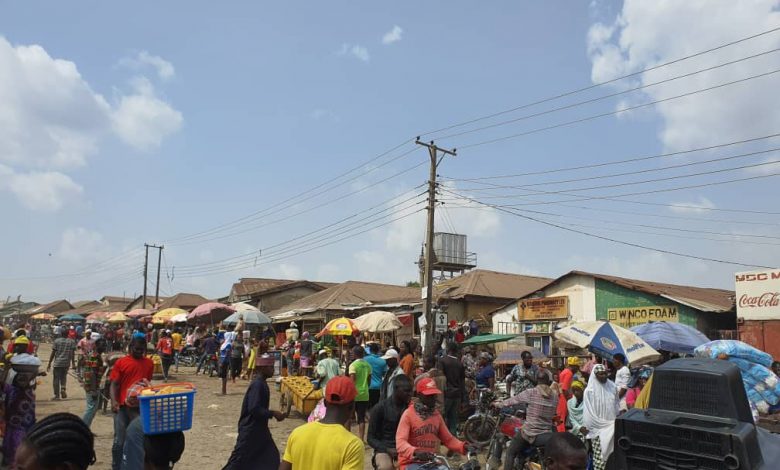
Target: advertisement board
{"points": [[628, 317], [544, 308], [758, 294]]}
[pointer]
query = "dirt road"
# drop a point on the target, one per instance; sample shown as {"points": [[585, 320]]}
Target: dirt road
{"points": [[214, 430]]}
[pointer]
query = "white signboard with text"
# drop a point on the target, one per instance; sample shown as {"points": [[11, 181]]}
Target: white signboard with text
{"points": [[441, 322], [758, 294]]}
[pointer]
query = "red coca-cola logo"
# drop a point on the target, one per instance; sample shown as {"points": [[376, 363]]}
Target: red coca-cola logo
{"points": [[767, 299]]}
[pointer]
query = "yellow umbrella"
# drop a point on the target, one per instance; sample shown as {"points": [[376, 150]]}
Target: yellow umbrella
{"points": [[164, 316], [117, 317], [44, 316], [339, 327]]}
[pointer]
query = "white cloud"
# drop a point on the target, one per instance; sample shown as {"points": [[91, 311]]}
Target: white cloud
{"points": [[328, 272], [142, 120], [356, 51], [645, 34], [693, 207], [51, 121], [164, 69], [80, 245], [394, 35]]}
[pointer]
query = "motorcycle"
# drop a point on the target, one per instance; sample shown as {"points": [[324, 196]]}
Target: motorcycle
{"points": [[509, 424], [480, 426], [439, 462]]}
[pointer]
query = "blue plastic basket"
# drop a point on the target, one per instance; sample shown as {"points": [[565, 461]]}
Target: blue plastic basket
{"points": [[162, 414]]}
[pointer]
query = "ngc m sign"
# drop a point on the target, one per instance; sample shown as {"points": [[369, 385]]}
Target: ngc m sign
{"points": [[758, 295]]}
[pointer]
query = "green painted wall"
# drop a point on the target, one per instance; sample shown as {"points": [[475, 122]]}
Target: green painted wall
{"points": [[609, 295]]}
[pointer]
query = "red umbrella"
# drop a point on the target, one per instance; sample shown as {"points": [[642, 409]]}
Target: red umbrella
{"points": [[139, 313], [213, 311]]}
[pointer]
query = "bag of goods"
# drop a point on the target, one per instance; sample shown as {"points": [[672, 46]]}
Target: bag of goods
{"points": [[732, 348]]}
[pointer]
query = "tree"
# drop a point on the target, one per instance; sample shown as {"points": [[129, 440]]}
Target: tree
{"points": [[413, 284]]}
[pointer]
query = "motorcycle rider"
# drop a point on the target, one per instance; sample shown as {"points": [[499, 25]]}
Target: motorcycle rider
{"points": [[384, 423], [542, 404]]}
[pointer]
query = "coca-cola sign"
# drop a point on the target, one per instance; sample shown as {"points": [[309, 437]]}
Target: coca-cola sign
{"points": [[758, 294]]}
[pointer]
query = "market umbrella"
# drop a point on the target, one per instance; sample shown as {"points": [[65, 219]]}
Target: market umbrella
{"points": [[244, 307], [180, 318], [139, 313], [165, 315], [672, 337], [378, 321], [607, 339], [339, 327], [487, 339], [44, 317], [513, 356], [71, 317], [214, 311], [117, 317], [250, 318], [97, 316]]}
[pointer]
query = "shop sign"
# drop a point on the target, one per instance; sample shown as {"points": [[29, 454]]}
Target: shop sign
{"points": [[628, 317], [544, 308], [758, 294], [536, 328]]}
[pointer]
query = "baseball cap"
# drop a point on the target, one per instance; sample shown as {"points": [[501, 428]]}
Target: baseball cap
{"points": [[340, 390], [21, 340], [573, 361], [390, 354], [426, 386]]}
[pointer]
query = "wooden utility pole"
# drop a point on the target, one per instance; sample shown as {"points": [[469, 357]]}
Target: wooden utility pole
{"points": [[146, 270], [433, 152], [157, 286]]}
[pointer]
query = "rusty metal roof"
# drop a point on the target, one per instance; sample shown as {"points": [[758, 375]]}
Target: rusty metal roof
{"points": [[705, 299], [490, 284], [352, 295]]}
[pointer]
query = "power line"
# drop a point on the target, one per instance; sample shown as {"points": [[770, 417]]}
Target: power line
{"points": [[603, 97], [614, 162], [621, 242], [628, 173], [617, 111], [273, 260], [654, 180], [596, 85], [305, 211], [616, 197], [659, 227], [358, 222], [291, 201]]}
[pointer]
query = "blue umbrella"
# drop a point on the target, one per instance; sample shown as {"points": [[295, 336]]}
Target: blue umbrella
{"points": [[672, 337], [71, 317], [607, 340]]}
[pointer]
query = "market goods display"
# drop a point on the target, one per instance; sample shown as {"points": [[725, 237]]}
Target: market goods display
{"points": [[761, 384]]}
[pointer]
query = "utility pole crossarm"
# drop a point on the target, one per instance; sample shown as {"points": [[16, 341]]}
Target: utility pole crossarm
{"points": [[433, 151]]}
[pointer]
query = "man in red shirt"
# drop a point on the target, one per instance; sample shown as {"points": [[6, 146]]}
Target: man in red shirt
{"points": [[126, 372], [422, 429], [165, 350]]}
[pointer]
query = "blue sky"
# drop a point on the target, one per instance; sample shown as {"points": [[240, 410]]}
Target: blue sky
{"points": [[149, 122]]}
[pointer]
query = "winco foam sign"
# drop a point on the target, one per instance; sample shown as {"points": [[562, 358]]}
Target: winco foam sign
{"points": [[758, 294]]}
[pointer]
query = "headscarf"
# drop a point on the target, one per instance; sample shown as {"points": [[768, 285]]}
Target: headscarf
{"points": [[601, 406]]}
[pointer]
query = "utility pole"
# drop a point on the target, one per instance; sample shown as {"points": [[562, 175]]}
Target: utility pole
{"points": [[433, 152], [146, 269], [157, 286]]}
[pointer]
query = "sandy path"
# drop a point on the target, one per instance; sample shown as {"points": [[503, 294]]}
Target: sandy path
{"points": [[214, 430]]}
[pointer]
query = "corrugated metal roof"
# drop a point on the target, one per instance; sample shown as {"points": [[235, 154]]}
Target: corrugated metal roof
{"points": [[490, 284], [705, 299], [352, 295]]}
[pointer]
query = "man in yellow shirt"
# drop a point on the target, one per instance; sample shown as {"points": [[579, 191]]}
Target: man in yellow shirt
{"points": [[327, 444], [176, 337]]}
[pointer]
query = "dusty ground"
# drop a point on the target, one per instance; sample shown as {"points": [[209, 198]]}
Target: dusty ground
{"points": [[214, 429]]}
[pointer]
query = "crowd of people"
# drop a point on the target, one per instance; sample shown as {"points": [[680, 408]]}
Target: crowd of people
{"points": [[393, 399]]}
